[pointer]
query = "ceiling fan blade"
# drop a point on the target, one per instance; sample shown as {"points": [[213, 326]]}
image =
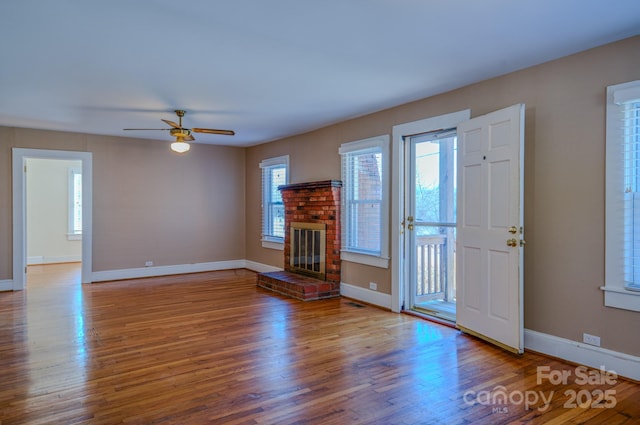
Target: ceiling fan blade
{"points": [[213, 131], [171, 123], [145, 129], [189, 138]]}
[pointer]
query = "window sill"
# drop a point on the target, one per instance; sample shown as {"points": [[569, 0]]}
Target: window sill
{"points": [[74, 236], [370, 260], [621, 298], [273, 244]]}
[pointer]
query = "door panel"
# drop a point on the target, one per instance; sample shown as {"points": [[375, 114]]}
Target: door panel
{"points": [[499, 285], [499, 175], [472, 269], [473, 142], [472, 216], [490, 227], [499, 135]]}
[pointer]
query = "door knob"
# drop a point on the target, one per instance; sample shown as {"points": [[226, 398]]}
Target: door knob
{"points": [[410, 220], [513, 229], [512, 242]]}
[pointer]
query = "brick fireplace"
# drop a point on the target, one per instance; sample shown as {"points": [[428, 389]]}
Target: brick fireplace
{"points": [[315, 208]]}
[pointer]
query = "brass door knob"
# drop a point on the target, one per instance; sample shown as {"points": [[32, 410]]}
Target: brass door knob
{"points": [[512, 242]]}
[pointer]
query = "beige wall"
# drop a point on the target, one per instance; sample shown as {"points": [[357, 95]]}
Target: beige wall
{"points": [[47, 209], [564, 184], [148, 203]]}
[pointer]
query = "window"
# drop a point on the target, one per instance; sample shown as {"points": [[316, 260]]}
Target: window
{"points": [[622, 252], [75, 204], [275, 172], [365, 212]]}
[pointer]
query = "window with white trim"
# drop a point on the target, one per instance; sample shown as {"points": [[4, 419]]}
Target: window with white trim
{"points": [[622, 251], [275, 172], [365, 207], [74, 201]]}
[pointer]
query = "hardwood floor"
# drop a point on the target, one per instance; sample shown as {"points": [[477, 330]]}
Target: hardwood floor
{"points": [[214, 348]]}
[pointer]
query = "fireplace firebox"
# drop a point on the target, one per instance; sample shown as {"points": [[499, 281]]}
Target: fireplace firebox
{"points": [[308, 244]]}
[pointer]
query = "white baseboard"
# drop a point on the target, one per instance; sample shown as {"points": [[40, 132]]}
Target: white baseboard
{"points": [[260, 268], [166, 270], [576, 352], [365, 295], [102, 276], [41, 259], [6, 285]]}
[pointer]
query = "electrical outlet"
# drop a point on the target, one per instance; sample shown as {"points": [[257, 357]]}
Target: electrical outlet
{"points": [[373, 286], [148, 263], [591, 339]]}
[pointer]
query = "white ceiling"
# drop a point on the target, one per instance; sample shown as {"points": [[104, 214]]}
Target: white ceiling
{"points": [[269, 69]]}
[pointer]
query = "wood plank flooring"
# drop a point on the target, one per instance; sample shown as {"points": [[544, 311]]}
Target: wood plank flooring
{"points": [[212, 348]]}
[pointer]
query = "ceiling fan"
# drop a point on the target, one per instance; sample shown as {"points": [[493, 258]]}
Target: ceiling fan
{"points": [[182, 134]]}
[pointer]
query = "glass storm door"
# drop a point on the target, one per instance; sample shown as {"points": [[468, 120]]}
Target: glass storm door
{"points": [[431, 222]]}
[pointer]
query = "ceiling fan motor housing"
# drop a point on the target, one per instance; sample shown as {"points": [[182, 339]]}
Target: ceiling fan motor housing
{"points": [[180, 132]]}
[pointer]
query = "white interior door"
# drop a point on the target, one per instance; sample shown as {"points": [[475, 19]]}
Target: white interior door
{"points": [[490, 228]]}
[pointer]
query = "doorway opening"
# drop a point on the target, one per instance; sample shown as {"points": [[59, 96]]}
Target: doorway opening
{"points": [[83, 183], [53, 213], [403, 243], [490, 227]]}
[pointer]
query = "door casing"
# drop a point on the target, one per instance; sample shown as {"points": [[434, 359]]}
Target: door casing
{"points": [[19, 210], [399, 271]]}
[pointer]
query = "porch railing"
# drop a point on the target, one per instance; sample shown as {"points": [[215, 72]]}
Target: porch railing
{"points": [[432, 255]]}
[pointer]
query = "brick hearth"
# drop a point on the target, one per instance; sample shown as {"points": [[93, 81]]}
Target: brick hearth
{"points": [[316, 202], [297, 286]]}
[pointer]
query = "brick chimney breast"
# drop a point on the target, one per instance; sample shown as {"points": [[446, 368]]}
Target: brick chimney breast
{"points": [[318, 203]]}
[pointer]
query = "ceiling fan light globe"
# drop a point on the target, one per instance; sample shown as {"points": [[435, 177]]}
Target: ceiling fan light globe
{"points": [[180, 147]]}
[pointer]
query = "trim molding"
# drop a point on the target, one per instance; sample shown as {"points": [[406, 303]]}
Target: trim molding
{"points": [[370, 260], [107, 275], [35, 259], [621, 298], [40, 259], [260, 268], [166, 270], [273, 245], [624, 365], [365, 295], [6, 285]]}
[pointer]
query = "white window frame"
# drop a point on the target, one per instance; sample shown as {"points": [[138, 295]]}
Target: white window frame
{"points": [[270, 241], [379, 259], [617, 293], [73, 234]]}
